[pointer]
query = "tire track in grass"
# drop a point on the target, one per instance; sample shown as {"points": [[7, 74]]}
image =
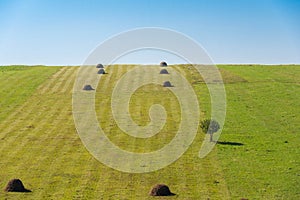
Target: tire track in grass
{"points": [[68, 86], [136, 108], [64, 80], [193, 176], [56, 179], [104, 92], [39, 159], [96, 179], [20, 135], [103, 104], [134, 178], [117, 191], [59, 114], [52, 81], [132, 187], [106, 183], [130, 141], [89, 180], [105, 79], [184, 181], [22, 114], [6, 84], [13, 115], [60, 147], [170, 174], [41, 123], [60, 80], [18, 111], [42, 126], [35, 107], [9, 77], [14, 118], [58, 166], [22, 84], [103, 109], [106, 121], [176, 172], [10, 128], [190, 171]]}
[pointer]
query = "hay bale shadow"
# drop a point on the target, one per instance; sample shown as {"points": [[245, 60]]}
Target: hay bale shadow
{"points": [[230, 143], [161, 190], [15, 185]]}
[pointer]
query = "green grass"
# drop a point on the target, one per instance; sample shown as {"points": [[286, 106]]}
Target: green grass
{"points": [[263, 114], [17, 83], [39, 143]]}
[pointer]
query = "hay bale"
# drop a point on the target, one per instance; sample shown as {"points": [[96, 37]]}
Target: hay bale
{"points": [[88, 87], [164, 71], [15, 185], [163, 64], [99, 66], [167, 84], [101, 71], [160, 190]]}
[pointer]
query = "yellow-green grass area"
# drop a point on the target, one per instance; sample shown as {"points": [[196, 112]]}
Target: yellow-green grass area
{"points": [[189, 177], [43, 149], [39, 143], [17, 83]]}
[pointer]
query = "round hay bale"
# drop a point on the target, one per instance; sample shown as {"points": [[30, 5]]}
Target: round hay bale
{"points": [[99, 66], [101, 71], [163, 64], [164, 71], [88, 87], [167, 84], [160, 190], [15, 185]]}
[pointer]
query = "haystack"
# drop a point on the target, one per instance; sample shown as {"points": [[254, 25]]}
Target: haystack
{"points": [[164, 71], [167, 84], [99, 66], [88, 87], [101, 71], [163, 64], [160, 190], [15, 185]]}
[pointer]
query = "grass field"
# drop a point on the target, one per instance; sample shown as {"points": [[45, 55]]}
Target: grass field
{"points": [[258, 157]]}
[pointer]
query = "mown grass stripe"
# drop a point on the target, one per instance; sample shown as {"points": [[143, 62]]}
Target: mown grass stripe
{"points": [[68, 86], [60, 80], [52, 81], [20, 136], [51, 160], [41, 121]]}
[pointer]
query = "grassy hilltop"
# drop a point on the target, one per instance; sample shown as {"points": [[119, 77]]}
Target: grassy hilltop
{"points": [[257, 157]]}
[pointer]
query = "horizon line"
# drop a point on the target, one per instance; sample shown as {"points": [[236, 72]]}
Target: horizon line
{"points": [[58, 65]]}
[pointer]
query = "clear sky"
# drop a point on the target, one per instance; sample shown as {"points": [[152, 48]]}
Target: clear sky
{"points": [[59, 32]]}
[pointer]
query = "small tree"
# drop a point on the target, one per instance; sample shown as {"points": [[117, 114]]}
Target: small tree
{"points": [[210, 127]]}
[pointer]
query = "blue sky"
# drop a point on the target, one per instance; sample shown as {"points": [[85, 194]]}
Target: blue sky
{"points": [[232, 31]]}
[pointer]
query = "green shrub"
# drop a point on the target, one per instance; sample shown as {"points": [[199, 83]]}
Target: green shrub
{"points": [[210, 126]]}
